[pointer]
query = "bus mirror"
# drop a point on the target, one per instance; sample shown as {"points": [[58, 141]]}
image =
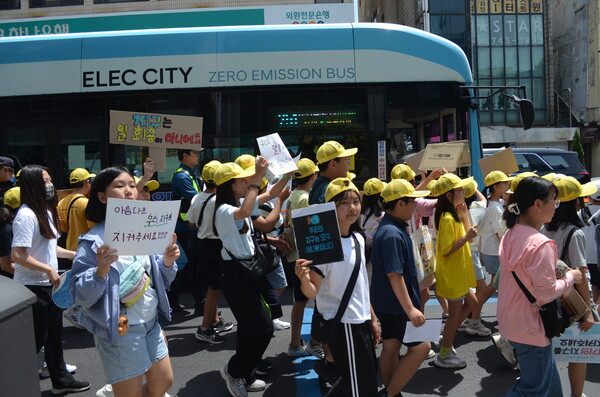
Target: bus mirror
{"points": [[525, 110]]}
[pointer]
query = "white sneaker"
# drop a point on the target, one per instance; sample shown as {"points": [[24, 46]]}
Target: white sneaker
{"points": [[257, 385], [431, 354], [505, 348], [315, 350], [298, 351], [106, 391], [236, 386], [451, 361], [280, 325]]}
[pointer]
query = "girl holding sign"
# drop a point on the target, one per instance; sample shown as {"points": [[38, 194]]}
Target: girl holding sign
{"points": [[352, 348], [101, 276], [34, 250]]}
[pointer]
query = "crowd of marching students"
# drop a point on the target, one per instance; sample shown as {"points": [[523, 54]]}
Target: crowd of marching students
{"points": [[526, 225]]}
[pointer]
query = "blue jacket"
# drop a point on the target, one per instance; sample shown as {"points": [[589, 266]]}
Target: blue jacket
{"points": [[98, 297]]}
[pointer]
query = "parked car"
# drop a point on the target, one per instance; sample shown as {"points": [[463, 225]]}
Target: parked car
{"points": [[543, 161]]}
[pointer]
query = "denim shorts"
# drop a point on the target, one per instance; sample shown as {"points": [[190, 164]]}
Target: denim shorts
{"points": [[491, 263], [143, 345], [277, 277], [477, 266]]}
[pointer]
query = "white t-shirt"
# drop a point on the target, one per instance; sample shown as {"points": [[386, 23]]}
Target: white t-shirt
{"points": [[589, 231], [26, 233], [474, 244], [144, 309], [240, 245], [575, 251], [491, 228], [335, 280], [206, 229]]}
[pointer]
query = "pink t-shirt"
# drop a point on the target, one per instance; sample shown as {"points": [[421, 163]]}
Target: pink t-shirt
{"points": [[533, 258]]}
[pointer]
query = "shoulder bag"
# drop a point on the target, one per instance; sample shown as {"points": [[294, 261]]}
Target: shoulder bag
{"points": [[262, 262], [326, 331]]}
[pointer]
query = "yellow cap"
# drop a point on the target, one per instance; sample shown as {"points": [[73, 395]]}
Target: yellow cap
{"points": [[569, 188], [338, 186], [350, 175], [519, 178], [246, 161], [228, 171], [306, 167], [373, 186], [399, 188], [550, 177], [470, 188], [151, 185], [403, 171], [208, 171], [263, 183], [332, 150], [496, 176], [449, 181], [79, 175], [12, 197]]}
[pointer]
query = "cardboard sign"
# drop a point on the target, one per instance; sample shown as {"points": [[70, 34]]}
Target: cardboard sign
{"points": [[414, 161], [504, 161], [61, 194], [442, 155], [135, 227], [576, 346], [274, 150], [156, 131], [317, 233]]}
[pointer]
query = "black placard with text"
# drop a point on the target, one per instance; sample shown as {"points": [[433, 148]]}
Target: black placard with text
{"points": [[317, 234]]}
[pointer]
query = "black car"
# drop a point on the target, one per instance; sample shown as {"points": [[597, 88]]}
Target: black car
{"points": [[543, 161]]}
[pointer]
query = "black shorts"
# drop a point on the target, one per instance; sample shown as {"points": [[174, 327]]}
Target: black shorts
{"points": [[207, 254], [594, 274], [393, 326]]}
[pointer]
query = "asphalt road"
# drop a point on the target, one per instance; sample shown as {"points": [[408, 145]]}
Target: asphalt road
{"points": [[196, 365]]}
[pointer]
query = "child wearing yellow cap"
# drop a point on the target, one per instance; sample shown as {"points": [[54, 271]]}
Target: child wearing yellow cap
{"points": [[565, 230], [371, 211], [454, 273], [352, 348]]}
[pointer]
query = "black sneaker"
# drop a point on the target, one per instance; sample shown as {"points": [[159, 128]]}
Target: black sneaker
{"points": [[74, 387], [328, 373], [209, 335], [263, 367], [222, 326]]}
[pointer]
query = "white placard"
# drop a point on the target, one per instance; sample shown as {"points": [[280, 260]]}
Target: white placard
{"points": [[576, 346], [273, 149], [135, 227], [430, 331]]}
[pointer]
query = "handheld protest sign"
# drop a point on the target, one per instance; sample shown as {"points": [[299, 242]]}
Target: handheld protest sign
{"points": [[60, 293], [576, 346], [135, 227], [155, 131], [274, 150], [441, 155], [317, 233], [504, 161]]}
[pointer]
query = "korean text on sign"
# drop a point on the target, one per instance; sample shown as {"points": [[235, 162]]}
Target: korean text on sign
{"points": [[140, 227]]}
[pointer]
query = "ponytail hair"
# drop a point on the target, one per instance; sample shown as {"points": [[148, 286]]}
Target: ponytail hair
{"points": [[528, 191]]}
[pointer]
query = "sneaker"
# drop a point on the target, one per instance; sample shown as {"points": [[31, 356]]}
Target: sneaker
{"points": [[263, 367], [505, 349], [209, 335], [71, 315], [279, 325], [257, 385], [478, 329], [106, 391], [298, 351], [222, 326], [445, 316], [236, 386], [451, 361], [44, 374], [315, 350], [74, 387], [431, 354]]}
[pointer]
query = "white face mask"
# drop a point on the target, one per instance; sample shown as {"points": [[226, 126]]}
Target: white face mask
{"points": [[50, 192]]}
